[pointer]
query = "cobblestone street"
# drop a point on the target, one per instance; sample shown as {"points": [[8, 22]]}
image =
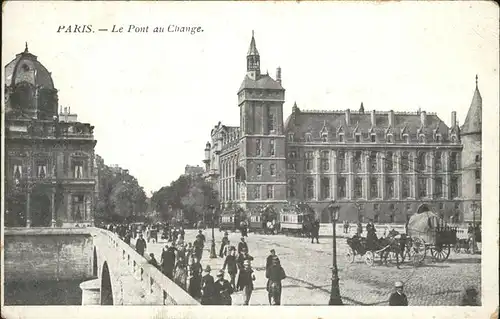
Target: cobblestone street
{"points": [[308, 269]]}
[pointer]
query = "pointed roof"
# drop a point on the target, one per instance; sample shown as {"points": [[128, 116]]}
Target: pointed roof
{"points": [[252, 50], [473, 121]]}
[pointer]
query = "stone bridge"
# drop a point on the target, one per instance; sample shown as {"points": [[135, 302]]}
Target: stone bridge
{"points": [[111, 272]]}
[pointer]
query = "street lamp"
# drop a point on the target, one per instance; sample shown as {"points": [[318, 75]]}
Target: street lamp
{"points": [[335, 299], [213, 254], [473, 206]]}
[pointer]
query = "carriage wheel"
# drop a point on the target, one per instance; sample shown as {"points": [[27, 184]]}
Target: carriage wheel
{"points": [[369, 258], [349, 255], [440, 253], [418, 251]]}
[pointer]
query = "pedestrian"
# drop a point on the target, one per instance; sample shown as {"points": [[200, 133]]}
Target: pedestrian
{"points": [[270, 258], [275, 275], [359, 229], [181, 273], [201, 236], [127, 238], [168, 261], [152, 260], [231, 265], [140, 245], [225, 242], [242, 257], [398, 298], [223, 290], [315, 232], [245, 281], [242, 245], [195, 271], [198, 247], [207, 288], [469, 297]]}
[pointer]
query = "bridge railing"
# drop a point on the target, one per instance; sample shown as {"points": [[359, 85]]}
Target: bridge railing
{"points": [[158, 288]]}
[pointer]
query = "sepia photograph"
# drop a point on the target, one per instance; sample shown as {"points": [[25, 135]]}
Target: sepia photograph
{"points": [[199, 154]]}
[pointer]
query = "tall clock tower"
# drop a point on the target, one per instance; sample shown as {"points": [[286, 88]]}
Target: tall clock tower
{"points": [[262, 143]]}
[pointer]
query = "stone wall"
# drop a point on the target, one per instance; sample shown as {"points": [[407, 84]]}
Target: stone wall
{"points": [[48, 254]]}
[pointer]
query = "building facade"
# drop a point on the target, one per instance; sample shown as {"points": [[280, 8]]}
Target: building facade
{"points": [[383, 166], [193, 170], [50, 176]]}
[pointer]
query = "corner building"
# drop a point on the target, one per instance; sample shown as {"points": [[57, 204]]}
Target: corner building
{"points": [[50, 175], [380, 165]]}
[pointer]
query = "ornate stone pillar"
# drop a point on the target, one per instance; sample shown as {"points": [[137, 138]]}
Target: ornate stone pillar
{"points": [[350, 176], [414, 174], [432, 183], [382, 181], [446, 169], [334, 176], [53, 207], [367, 172], [398, 191], [28, 208], [317, 172]]}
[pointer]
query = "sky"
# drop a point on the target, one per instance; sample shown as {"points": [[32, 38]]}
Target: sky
{"points": [[154, 97]]}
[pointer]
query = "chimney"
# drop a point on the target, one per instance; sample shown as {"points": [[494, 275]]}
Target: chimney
{"points": [[348, 117], [423, 118], [278, 74], [453, 119], [374, 123], [391, 118]]}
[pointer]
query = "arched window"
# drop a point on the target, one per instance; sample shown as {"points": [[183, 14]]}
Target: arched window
{"points": [[341, 161], [389, 164], [341, 187], [358, 187], [405, 159], [309, 188], [421, 163]]}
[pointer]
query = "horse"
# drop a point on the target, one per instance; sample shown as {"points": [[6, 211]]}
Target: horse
{"points": [[397, 244]]}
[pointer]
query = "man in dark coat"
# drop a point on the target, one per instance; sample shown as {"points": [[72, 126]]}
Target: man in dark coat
{"points": [[127, 238], [140, 245], [245, 281], [242, 257], [208, 292], [275, 275], [231, 265], [223, 290], [201, 236], [195, 278], [315, 232], [270, 258], [225, 242], [242, 245], [198, 248], [398, 298], [168, 261], [152, 260]]}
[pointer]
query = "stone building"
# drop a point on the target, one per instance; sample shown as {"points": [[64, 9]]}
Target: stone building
{"points": [[193, 170], [379, 165], [50, 176]]}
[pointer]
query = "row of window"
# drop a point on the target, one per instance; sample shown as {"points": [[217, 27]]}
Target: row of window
{"points": [[268, 195], [407, 186], [42, 170], [228, 167], [406, 162], [389, 138], [270, 150], [272, 169]]}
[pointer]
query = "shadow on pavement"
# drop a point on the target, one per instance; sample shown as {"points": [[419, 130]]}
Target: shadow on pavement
{"points": [[464, 261]]}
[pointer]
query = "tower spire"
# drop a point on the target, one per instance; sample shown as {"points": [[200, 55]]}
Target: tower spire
{"points": [[476, 80], [26, 46], [253, 60]]}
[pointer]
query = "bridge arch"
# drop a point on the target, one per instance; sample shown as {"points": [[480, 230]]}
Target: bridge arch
{"points": [[106, 288]]}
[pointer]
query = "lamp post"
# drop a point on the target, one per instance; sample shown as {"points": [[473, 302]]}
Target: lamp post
{"points": [[213, 254], [474, 208], [335, 299]]}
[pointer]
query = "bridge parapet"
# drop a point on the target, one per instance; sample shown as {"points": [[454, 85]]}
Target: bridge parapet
{"points": [[135, 280]]}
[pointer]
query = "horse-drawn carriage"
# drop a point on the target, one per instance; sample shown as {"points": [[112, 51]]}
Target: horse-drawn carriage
{"points": [[297, 219], [429, 232], [388, 249]]}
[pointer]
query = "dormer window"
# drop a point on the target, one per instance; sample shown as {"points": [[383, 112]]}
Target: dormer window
{"points": [[308, 137], [341, 138], [324, 137], [290, 137], [438, 138], [406, 138], [421, 138], [358, 138], [390, 138], [454, 139], [373, 138]]}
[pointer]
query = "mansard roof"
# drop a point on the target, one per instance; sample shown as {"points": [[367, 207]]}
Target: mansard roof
{"points": [[302, 122]]}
